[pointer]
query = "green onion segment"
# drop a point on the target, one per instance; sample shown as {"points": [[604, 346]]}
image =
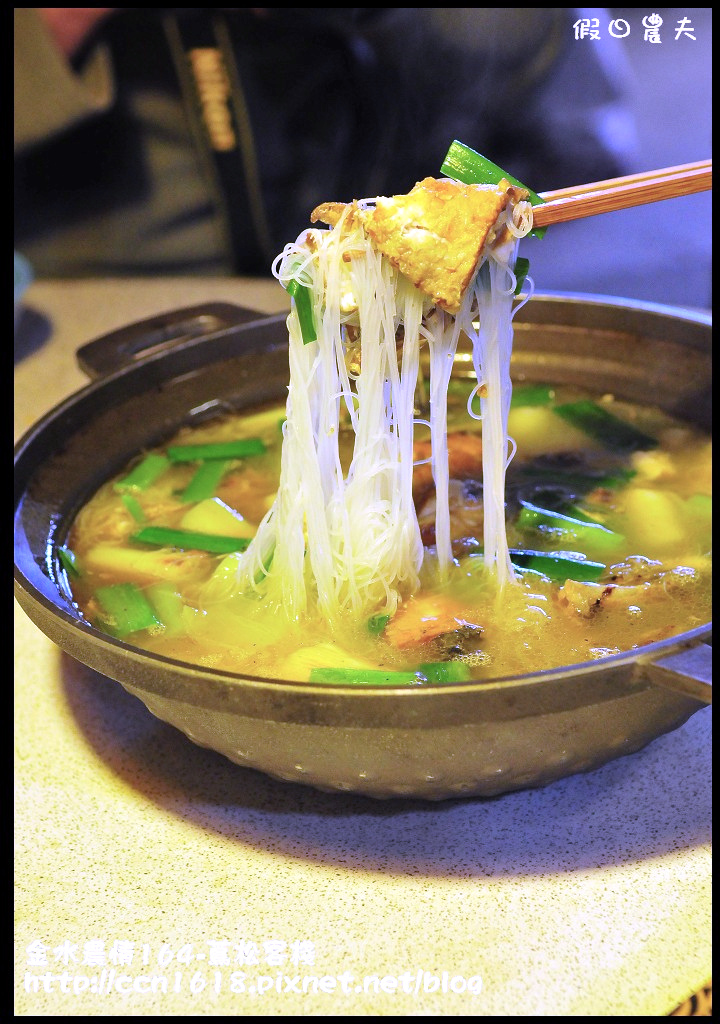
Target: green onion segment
{"points": [[603, 426], [190, 540], [376, 624], [522, 266], [558, 568], [206, 479], [127, 608], [133, 506], [472, 168], [302, 297], [68, 560], [432, 672], [238, 449], [144, 474]]}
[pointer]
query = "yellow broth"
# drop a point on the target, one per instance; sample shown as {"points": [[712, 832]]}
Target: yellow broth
{"points": [[642, 517]]}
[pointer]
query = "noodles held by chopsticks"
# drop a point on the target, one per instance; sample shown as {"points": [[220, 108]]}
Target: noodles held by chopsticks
{"points": [[425, 267]]}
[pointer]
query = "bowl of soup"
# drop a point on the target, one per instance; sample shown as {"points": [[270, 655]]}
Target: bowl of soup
{"points": [[137, 497]]}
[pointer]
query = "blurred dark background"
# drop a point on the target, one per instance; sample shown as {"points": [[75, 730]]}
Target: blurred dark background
{"points": [[660, 252], [120, 187]]}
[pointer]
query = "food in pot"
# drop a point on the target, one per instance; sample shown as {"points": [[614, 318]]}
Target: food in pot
{"points": [[560, 529], [608, 537]]}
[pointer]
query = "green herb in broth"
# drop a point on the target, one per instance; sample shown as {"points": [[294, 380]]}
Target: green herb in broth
{"points": [[189, 540], [574, 599], [126, 609]]}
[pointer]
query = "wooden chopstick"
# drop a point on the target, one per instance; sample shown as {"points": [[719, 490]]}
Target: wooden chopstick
{"points": [[597, 197], [595, 186]]}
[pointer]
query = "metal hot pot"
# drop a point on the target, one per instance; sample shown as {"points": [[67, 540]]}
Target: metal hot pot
{"points": [[437, 742]]}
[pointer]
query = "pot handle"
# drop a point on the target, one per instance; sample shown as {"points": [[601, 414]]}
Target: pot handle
{"points": [[688, 672], [160, 333]]}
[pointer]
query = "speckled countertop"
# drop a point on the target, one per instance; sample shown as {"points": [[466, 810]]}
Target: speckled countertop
{"points": [[156, 878]]}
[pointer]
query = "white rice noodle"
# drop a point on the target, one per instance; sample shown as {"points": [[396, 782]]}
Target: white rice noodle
{"points": [[345, 542], [443, 333], [338, 541], [490, 329]]}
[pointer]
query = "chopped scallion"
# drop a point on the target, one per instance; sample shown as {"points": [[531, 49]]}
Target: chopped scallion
{"points": [[238, 449], [144, 474], [432, 672], [558, 568], [133, 506], [580, 513], [302, 297], [205, 480], [612, 432], [189, 540], [522, 267], [377, 623], [472, 168], [534, 515], [127, 608], [68, 560], [363, 676], [590, 535], [446, 672]]}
